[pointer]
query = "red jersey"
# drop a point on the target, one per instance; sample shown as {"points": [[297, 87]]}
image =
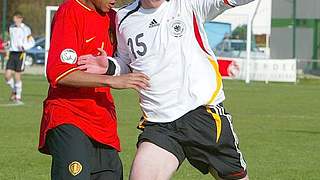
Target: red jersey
{"points": [[78, 30], [1, 46]]}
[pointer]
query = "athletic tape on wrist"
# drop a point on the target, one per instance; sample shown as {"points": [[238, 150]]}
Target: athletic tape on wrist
{"points": [[113, 68]]}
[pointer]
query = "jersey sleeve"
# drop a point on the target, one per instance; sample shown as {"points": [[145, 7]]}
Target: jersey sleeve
{"points": [[122, 53], [209, 9], [64, 47], [28, 41]]}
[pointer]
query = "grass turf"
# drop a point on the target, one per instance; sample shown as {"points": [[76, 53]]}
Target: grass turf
{"points": [[278, 125]]}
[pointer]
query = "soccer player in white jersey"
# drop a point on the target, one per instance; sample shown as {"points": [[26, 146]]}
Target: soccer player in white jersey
{"points": [[183, 114], [20, 41]]}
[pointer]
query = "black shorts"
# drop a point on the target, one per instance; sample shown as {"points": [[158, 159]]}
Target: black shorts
{"points": [[16, 61], [77, 157], [204, 136]]}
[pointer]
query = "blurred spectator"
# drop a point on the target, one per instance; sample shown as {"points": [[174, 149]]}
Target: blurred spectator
{"points": [[3, 52], [20, 41], [2, 45]]}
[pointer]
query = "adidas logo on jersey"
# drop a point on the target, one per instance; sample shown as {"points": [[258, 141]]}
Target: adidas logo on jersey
{"points": [[154, 23]]}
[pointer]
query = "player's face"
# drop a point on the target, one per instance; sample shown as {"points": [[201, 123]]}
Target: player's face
{"points": [[104, 5], [17, 20]]}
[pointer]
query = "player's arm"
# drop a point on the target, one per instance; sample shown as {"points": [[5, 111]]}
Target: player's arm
{"points": [[62, 68], [209, 9], [28, 41], [135, 81], [103, 64]]}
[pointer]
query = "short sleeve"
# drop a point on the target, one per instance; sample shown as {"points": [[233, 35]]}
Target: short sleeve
{"points": [[64, 47], [28, 41]]}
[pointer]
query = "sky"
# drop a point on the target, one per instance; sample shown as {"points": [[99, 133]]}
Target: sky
{"points": [[238, 16]]}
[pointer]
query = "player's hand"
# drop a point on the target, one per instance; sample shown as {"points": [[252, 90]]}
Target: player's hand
{"points": [[94, 64], [134, 80]]}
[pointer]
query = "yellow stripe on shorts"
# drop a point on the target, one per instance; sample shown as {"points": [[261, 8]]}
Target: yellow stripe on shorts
{"points": [[217, 120]]}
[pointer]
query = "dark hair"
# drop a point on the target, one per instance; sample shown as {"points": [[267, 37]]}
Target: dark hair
{"points": [[18, 14]]}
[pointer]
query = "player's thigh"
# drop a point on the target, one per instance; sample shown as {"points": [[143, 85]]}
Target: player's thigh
{"points": [[20, 62], [106, 175], [70, 150], [106, 163], [153, 162], [12, 62], [158, 152], [215, 146]]}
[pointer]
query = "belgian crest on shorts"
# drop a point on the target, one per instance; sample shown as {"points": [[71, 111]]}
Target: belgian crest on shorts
{"points": [[69, 56], [75, 168]]}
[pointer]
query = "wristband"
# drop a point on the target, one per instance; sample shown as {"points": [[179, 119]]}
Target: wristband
{"points": [[111, 68]]}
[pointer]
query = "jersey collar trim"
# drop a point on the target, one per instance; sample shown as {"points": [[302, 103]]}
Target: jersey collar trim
{"points": [[83, 5]]}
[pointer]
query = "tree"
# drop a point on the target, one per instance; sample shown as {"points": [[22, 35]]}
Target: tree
{"points": [[240, 32]]}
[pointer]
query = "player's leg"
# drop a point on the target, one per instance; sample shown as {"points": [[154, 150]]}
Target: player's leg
{"points": [[215, 148], [10, 67], [18, 86], [153, 162], [8, 75], [70, 152], [218, 112], [158, 155], [106, 163], [10, 82], [18, 81]]}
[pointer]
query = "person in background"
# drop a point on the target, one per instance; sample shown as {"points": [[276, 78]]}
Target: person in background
{"points": [[2, 50], [2, 47], [20, 41]]}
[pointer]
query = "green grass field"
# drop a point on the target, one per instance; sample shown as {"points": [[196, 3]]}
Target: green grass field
{"points": [[278, 125]]}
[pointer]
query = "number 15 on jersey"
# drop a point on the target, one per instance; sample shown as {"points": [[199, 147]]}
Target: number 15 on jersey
{"points": [[137, 47]]}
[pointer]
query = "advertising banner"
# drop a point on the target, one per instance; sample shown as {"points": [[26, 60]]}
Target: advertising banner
{"points": [[275, 70]]}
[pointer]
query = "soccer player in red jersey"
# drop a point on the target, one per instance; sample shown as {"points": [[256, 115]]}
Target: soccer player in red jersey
{"points": [[79, 126]]}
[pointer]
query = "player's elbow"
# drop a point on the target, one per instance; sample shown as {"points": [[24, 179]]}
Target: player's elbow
{"points": [[51, 77], [56, 75]]}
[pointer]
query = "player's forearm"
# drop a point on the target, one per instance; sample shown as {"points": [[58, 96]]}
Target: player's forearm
{"points": [[135, 81], [83, 79]]}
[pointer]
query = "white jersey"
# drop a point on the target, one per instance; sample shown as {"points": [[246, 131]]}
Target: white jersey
{"points": [[20, 38], [169, 45]]}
